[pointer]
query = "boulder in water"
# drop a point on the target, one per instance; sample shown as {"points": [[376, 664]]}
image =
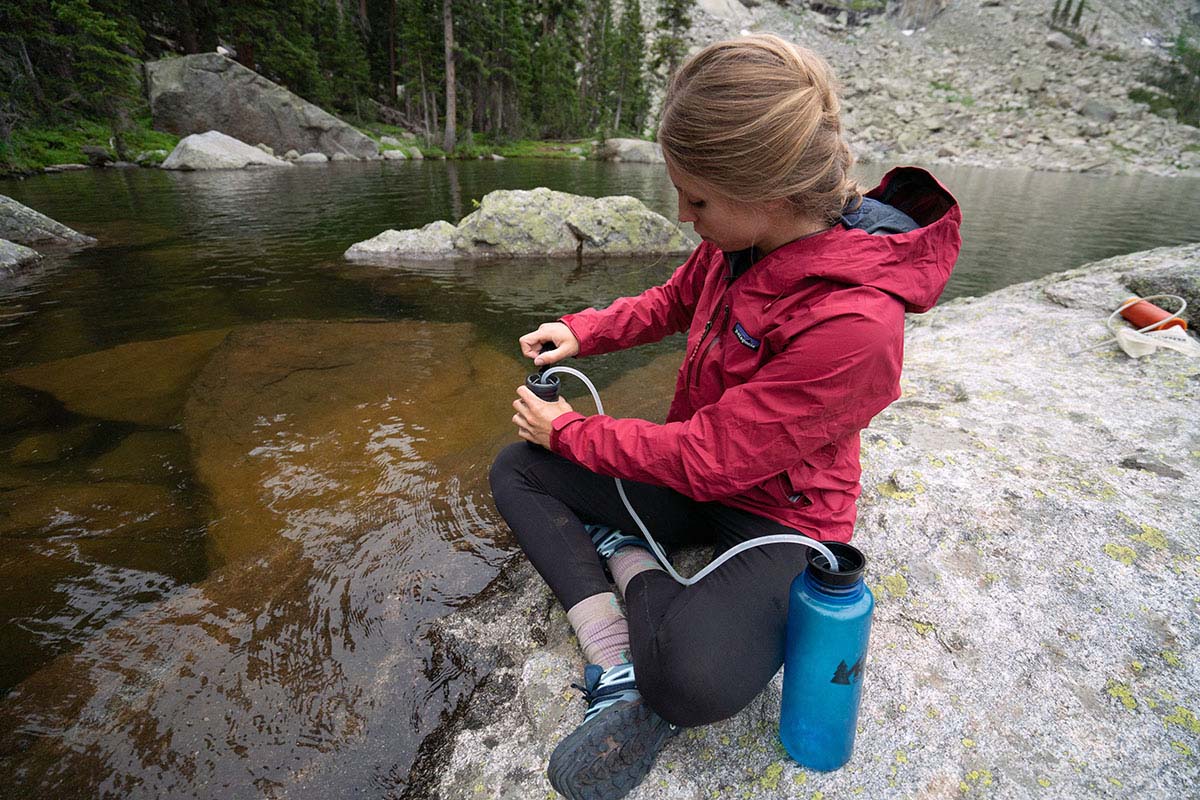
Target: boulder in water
{"points": [[536, 222], [207, 91], [636, 150], [215, 150], [14, 256], [22, 225]]}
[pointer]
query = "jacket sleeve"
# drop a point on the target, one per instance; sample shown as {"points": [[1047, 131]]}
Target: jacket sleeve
{"points": [[648, 317], [829, 382]]}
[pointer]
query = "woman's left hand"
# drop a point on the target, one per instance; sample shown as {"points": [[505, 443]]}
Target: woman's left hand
{"points": [[535, 416]]}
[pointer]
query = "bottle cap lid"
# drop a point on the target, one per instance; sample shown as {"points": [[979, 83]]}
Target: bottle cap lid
{"points": [[851, 563]]}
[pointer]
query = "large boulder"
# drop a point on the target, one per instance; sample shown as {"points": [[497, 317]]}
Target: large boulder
{"points": [[14, 256], [215, 150], [536, 222], [1031, 516], [208, 91], [637, 150], [23, 225]]}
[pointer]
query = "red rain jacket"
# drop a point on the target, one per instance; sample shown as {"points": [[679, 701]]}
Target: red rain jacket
{"points": [[785, 364]]}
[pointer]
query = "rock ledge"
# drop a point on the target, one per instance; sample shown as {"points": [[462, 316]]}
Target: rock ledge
{"points": [[1037, 586]]}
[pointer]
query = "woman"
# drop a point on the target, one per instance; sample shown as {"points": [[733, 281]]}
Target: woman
{"points": [[794, 304]]}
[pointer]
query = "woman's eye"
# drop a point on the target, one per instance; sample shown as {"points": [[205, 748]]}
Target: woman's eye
{"points": [[697, 204]]}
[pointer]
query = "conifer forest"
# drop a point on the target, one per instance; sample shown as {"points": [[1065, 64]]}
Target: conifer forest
{"points": [[445, 69]]}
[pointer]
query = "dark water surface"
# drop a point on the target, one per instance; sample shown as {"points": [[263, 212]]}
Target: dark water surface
{"points": [[239, 478]]}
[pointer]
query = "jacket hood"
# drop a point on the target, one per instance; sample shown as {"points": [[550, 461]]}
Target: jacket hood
{"points": [[912, 266]]}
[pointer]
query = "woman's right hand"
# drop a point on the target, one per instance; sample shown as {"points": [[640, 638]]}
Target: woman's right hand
{"points": [[555, 333]]}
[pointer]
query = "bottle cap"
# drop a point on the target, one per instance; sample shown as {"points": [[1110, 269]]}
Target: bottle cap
{"points": [[851, 563]]}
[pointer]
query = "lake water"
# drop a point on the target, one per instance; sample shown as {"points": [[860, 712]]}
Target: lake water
{"points": [[240, 479]]}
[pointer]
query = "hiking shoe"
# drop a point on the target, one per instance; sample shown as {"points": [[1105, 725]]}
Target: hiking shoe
{"points": [[608, 540], [615, 746]]}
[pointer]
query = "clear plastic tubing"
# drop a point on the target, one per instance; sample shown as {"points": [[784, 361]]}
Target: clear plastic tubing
{"points": [[779, 538]]}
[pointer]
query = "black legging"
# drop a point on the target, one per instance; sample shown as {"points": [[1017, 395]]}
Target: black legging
{"points": [[701, 653]]}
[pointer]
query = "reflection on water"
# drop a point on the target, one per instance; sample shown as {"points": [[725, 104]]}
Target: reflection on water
{"points": [[240, 478]]}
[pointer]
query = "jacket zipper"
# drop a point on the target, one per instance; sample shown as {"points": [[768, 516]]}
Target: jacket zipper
{"points": [[693, 374]]}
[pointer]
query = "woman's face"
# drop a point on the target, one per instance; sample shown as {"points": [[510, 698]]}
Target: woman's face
{"points": [[727, 223]]}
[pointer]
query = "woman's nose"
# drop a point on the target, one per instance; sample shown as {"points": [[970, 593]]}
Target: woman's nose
{"points": [[686, 213]]}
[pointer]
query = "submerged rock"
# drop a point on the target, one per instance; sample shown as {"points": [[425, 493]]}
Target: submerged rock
{"points": [[140, 382], [537, 222], [22, 225], [215, 150], [345, 464], [144, 456], [1035, 624], [207, 91]]}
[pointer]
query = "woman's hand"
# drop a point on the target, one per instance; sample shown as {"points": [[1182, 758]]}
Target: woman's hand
{"points": [[535, 416], [555, 333]]}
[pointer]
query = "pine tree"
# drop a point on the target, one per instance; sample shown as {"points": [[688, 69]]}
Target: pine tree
{"points": [[1057, 9], [598, 73], [1078, 14], [555, 66], [450, 137], [632, 100], [342, 58], [103, 72], [674, 18]]}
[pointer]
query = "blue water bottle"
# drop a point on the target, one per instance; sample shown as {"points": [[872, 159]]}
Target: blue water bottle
{"points": [[829, 623]]}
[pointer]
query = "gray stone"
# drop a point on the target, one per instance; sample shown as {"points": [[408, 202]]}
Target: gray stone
{"points": [[636, 150], [1034, 632], [537, 222], [415, 154], [435, 240], [22, 225], [1059, 41], [266, 148], [96, 156], [343, 157], [1094, 109], [313, 158], [1029, 79], [215, 150], [14, 256], [207, 91], [394, 155], [1181, 281], [151, 157], [291, 155], [389, 140]]}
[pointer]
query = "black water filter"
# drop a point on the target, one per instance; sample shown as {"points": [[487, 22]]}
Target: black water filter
{"points": [[542, 385]]}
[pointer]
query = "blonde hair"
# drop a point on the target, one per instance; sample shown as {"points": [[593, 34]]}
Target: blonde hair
{"points": [[757, 118]]}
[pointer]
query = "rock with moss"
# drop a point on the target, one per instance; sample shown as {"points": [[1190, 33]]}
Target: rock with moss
{"points": [[537, 222], [208, 91], [20, 224], [215, 150], [1029, 513]]}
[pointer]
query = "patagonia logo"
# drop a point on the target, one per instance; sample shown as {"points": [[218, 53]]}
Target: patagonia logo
{"points": [[745, 338]]}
